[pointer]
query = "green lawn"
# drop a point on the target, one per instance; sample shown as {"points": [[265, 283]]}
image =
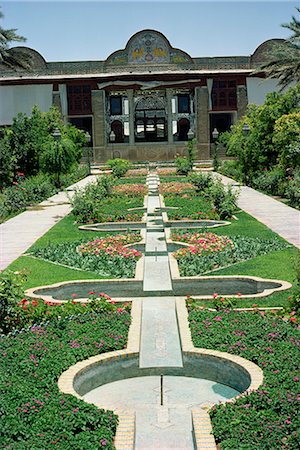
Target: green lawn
{"points": [[41, 272]]}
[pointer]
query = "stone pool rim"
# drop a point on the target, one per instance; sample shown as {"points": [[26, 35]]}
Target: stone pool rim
{"points": [[266, 292]]}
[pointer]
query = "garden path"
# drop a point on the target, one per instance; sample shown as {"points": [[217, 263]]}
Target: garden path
{"points": [[20, 232], [279, 217]]}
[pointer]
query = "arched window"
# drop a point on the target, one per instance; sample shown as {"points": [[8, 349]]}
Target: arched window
{"points": [[117, 128], [183, 128]]}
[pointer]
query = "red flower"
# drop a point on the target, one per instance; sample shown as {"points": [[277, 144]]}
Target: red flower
{"points": [[293, 319], [34, 303]]}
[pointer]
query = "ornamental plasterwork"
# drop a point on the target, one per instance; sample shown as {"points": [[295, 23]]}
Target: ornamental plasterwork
{"points": [[148, 48], [150, 101]]}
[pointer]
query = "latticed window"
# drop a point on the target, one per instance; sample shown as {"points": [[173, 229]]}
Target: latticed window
{"points": [[116, 105], [79, 99], [183, 103], [224, 95]]}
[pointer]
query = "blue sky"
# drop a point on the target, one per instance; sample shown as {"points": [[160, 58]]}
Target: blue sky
{"points": [[91, 30]]}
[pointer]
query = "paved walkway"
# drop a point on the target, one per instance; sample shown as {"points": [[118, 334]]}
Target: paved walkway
{"points": [[279, 217], [20, 232]]}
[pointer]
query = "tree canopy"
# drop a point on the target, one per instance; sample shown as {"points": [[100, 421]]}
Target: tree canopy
{"points": [[284, 63], [12, 57]]}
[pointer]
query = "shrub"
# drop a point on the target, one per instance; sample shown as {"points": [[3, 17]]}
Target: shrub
{"points": [[201, 181], [77, 173], [183, 165], [86, 201], [118, 167], [223, 198], [37, 188], [271, 182], [11, 292], [292, 191], [231, 169]]}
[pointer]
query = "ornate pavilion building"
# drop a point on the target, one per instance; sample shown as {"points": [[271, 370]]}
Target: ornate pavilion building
{"points": [[143, 102]]}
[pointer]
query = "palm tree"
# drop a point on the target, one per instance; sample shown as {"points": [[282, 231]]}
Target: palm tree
{"points": [[284, 61], [12, 57]]}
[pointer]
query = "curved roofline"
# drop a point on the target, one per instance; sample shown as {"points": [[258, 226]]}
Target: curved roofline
{"points": [[23, 47], [263, 44], [146, 30]]}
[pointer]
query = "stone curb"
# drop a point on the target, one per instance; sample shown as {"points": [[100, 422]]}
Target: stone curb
{"points": [[125, 434], [200, 418]]}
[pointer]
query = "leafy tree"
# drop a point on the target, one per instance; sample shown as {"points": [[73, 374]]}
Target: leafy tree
{"points": [[57, 158], [7, 165], [286, 139], [12, 57], [285, 58], [256, 151], [24, 141]]}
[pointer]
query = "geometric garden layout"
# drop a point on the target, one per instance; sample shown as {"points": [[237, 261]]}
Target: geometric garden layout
{"points": [[162, 385]]}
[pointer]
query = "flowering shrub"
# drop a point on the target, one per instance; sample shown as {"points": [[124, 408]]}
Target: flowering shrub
{"points": [[267, 418], [175, 188], [209, 251], [112, 245], [131, 190], [106, 257], [35, 414]]}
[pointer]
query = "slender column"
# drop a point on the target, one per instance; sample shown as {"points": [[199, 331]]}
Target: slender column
{"points": [[98, 105], [202, 120], [131, 116], [169, 94]]}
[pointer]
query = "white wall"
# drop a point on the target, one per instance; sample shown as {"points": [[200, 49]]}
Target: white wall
{"points": [[15, 99], [258, 88]]}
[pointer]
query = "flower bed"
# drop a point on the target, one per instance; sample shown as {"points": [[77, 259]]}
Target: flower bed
{"points": [[136, 173], [166, 172], [112, 245], [35, 414], [130, 190], [175, 188], [267, 418], [106, 256], [209, 251]]}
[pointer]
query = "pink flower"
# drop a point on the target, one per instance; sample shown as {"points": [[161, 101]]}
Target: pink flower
{"points": [[215, 295], [218, 318]]}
